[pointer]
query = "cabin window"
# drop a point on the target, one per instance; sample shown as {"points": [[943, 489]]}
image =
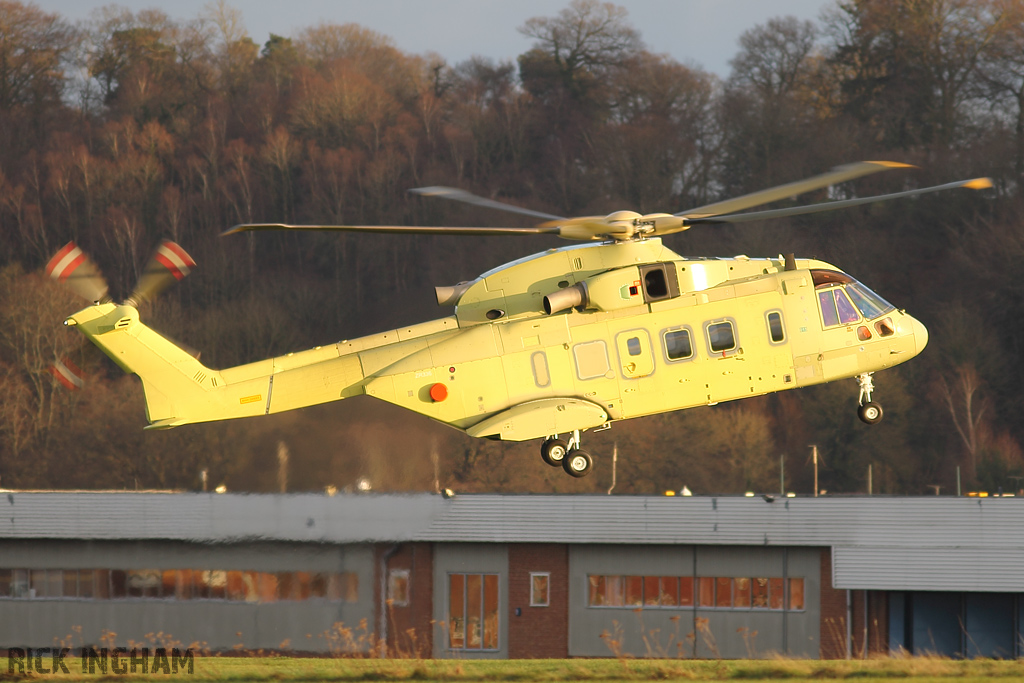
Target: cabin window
{"points": [[776, 330], [539, 364], [721, 336], [633, 346], [678, 344], [591, 359]]}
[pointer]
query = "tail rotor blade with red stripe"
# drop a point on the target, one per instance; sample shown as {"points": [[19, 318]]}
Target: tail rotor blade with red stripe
{"points": [[71, 267], [169, 264], [68, 374]]}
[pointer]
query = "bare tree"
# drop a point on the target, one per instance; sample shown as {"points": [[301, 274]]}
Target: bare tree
{"points": [[586, 35]]}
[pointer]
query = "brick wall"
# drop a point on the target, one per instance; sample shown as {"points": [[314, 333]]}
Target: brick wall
{"points": [[877, 621], [833, 612], [834, 618], [539, 632], [410, 627]]}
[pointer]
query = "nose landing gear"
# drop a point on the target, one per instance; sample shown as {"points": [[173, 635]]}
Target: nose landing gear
{"points": [[869, 411], [574, 460]]}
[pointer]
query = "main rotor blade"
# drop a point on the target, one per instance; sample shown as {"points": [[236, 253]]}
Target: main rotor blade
{"points": [[838, 174], [406, 229], [974, 184], [458, 195]]}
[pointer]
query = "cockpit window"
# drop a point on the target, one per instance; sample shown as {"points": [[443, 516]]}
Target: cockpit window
{"points": [[869, 303], [847, 313], [823, 278], [836, 307], [829, 316]]}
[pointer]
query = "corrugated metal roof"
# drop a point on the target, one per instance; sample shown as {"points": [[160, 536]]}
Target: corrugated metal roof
{"points": [[893, 543], [883, 522]]}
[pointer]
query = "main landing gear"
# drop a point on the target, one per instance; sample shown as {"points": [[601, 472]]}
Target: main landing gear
{"points": [[869, 411], [574, 460]]}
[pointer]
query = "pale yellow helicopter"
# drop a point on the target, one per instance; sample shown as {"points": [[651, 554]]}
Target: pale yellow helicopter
{"points": [[557, 343]]}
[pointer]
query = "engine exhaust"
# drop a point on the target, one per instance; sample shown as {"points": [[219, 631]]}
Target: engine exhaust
{"points": [[449, 296], [564, 299]]}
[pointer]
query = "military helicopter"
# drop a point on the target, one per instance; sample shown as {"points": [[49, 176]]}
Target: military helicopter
{"points": [[557, 343]]}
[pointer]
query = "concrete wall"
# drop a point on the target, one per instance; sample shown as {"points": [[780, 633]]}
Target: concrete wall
{"points": [[216, 624]]}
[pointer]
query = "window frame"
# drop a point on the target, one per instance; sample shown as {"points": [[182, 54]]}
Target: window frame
{"points": [[546, 602], [782, 325], [394, 576], [585, 346], [725, 353], [700, 592], [180, 585], [664, 343], [483, 576]]}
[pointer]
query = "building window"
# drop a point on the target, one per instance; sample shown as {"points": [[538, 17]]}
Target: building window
{"points": [[540, 589], [398, 587], [177, 584], [796, 594], [473, 611], [706, 592]]}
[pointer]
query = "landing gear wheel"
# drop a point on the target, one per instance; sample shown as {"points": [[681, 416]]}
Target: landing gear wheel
{"points": [[553, 451], [870, 413], [577, 463]]}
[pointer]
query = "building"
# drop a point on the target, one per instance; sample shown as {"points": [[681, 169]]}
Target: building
{"points": [[478, 576]]}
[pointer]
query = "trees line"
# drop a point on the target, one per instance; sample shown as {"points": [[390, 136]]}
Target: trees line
{"points": [[131, 126]]}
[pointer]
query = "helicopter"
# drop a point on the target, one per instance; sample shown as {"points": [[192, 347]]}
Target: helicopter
{"points": [[554, 344]]}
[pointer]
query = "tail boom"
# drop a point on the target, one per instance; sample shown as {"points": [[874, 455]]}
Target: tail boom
{"points": [[181, 390]]}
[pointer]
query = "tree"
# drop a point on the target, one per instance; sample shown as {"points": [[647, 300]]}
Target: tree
{"points": [[911, 65], [660, 144], [764, 116], [585, 41], [1002, 73], [33, 47]]}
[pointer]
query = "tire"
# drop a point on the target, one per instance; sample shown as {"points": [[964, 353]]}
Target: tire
{"points": [[577, 463], [870, 413], [553, 452]]}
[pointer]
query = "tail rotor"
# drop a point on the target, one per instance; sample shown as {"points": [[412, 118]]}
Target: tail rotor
{"points": [[73, 269], [169, 263], [76, 271]]}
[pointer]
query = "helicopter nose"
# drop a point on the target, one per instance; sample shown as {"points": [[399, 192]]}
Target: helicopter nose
{"points": [[920, 333]]}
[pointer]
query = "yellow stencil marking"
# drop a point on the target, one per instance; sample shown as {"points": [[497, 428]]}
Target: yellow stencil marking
{"points": [[250, 399]]}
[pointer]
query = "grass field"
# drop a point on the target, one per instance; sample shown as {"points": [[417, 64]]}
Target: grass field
{"points": [[605, 670]]}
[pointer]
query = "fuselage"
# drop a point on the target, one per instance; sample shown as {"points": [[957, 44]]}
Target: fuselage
{"points": [[729, 329], [653, 332]]}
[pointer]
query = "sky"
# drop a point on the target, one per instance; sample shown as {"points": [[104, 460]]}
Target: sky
{"points": [[697, 32]]}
